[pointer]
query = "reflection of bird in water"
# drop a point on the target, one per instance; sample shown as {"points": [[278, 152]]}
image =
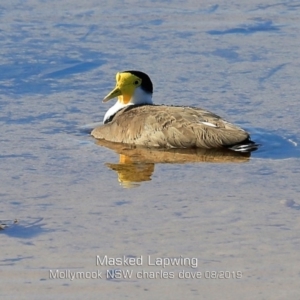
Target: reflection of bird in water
{"points": [[131, 173], [135, 120], [137, 163]]}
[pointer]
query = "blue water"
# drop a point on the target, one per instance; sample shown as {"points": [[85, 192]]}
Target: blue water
{"points": [[59, 59]]}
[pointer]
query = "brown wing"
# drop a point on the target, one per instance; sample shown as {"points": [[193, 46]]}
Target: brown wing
{"points": [[170, 127]]}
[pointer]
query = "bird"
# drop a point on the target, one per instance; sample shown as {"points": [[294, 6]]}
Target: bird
{"points": [[135, 120]]}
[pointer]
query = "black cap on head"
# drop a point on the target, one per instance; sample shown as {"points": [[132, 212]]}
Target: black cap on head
{"points": [[146, 85]]}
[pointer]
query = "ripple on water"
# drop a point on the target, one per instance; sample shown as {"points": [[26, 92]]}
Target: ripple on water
{"points": [[275, 146]]}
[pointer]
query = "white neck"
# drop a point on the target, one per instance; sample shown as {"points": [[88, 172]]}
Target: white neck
{"points": [[139, 97]]}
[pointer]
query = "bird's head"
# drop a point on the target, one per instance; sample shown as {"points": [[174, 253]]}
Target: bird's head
{"points": [[132, 88]]}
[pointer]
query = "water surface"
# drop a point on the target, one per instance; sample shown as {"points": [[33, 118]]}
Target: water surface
{"points": [[237, 59]]}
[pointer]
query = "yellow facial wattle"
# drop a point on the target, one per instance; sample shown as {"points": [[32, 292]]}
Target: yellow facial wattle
{"points": [[125, 87]]}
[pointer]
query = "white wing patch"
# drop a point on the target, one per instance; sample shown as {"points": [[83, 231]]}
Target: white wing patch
{"points": [[208, 124]]}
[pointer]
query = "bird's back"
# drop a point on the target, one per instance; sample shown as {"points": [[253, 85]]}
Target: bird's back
{"points": [[170, 127]]}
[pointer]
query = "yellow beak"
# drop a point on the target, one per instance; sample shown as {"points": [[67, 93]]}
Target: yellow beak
{"points": [[113, 94]]}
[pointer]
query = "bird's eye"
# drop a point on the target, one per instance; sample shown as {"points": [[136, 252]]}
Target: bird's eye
{"points": [[136, 82]]}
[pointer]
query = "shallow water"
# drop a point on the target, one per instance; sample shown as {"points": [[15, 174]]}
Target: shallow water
{"points": [[58, 60]]}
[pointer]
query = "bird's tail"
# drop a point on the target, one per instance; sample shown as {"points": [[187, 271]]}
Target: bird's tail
{"points": [[245, 146]]}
